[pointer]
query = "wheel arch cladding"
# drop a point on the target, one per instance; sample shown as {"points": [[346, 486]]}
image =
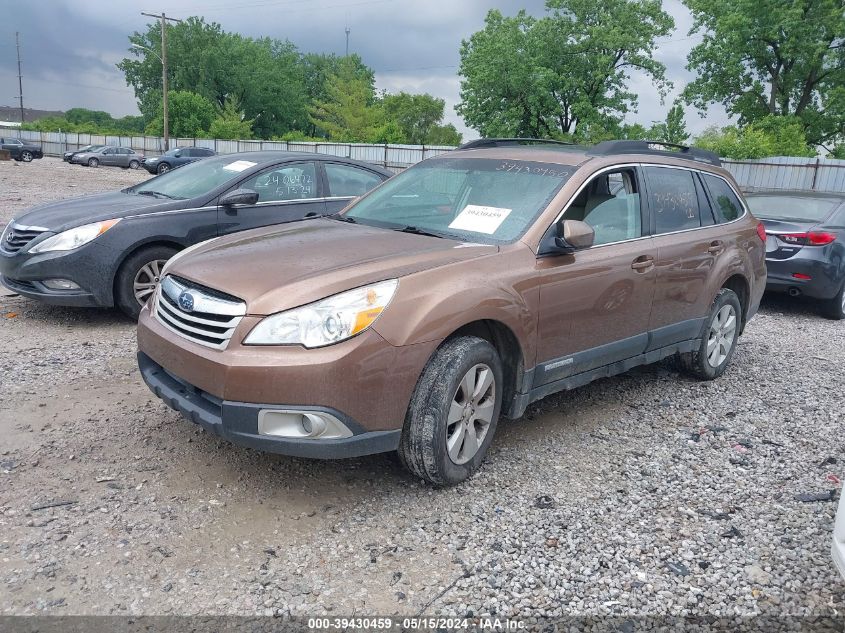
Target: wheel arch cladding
{"points": [[739, 284], [506, 344]]}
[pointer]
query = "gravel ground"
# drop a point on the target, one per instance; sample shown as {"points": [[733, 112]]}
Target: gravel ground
{"points": [[648, 493]]}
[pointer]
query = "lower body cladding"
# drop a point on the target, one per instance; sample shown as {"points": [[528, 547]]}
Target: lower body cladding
{"points": [[343, 400]]}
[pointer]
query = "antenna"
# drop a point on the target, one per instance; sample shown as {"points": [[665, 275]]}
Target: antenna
{"points": [[348, 30]]}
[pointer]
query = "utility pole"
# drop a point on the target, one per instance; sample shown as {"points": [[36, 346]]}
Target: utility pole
{"points": [[20, 79], [163, 60]]}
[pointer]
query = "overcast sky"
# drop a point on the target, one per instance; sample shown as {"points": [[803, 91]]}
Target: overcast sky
{"points": [[69, 49]]}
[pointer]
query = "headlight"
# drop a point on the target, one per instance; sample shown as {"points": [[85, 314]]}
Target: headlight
{"points": [[328, 321], [74, 238]]}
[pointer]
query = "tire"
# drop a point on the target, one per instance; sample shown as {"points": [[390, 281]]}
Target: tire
{"points": [[26, 156], [93, 162], [143, 267], [835, 308], [134, 164], [428, 426], [163, 168], [718, 338]]}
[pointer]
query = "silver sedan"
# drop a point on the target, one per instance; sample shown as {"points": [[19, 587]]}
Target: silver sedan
{"points": [[109, 156]]}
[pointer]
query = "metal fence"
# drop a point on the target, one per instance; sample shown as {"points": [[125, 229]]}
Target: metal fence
{"points": [[394, 157], [786, 172], [804, 174]]}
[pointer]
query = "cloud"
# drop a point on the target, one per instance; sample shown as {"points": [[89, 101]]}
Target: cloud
{"points": [[69, 49]]}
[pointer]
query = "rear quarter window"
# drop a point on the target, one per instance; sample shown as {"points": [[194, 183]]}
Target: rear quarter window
{"points": [[726, 205]]}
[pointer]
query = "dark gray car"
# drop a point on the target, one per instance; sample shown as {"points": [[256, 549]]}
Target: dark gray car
{"points": [[174, 158], [108, 249], [805, 252], [20, 150], [125, 157]]}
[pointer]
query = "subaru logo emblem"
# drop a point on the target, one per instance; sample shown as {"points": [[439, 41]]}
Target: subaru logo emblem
{"points": [[186, 301]]}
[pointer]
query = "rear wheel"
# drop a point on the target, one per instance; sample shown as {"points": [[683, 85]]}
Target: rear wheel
{"points": [[718, 340], [134, 164], [163, 168], [138, 278], [26, 156], [453, 413], [93, 162], [835, 308]]}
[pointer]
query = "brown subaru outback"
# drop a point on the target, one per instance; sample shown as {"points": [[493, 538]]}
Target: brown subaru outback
{"points": [[463, 289]]}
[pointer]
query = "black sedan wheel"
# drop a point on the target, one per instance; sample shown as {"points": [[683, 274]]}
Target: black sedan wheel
{"points": [[93, 162], [138, 278], [835, 308], [163, 168], [26, 156]]}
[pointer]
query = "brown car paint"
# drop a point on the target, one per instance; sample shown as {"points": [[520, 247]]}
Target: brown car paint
{"points": [[554, 305]]}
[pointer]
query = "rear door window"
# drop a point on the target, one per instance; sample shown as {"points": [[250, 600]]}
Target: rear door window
{"points": [[673, 199], [346, 181], [726, 205]]}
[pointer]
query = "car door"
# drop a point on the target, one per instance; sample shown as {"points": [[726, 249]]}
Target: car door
{"points": [[108, 156], [689, 242], [347, 182], [121, 158], [595, 303], [286, 192]]}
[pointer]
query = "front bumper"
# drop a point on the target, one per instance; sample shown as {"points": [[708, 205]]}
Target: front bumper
{"points": [[150, 167], [237, 422], [90, 267], [825, 282]]}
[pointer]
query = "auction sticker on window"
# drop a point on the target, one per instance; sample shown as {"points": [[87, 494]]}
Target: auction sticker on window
{"points": [[239, 165], [480, 219]]}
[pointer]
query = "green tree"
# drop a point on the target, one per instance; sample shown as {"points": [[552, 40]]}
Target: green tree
{"points": [[348, 112], [563, 74], [772, 136], [318, 67], [189, 115], [764, 58], [673, 129], [231, 123], [444, 135], [416, 115]]}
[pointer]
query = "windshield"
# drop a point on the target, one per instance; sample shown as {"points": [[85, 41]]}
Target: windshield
{"points": [[470, 199], [792, 208], [194, 179]]}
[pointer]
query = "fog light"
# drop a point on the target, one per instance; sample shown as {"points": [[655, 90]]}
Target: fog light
{"points": [[60, 284], [301, 425]]}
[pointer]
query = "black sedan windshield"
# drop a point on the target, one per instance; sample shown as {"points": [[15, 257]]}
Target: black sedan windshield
{"points": [[193, 179], [471, 199]]}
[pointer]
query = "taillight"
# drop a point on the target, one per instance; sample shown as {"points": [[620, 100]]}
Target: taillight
{"points": [[813, 238], [761, 231]]}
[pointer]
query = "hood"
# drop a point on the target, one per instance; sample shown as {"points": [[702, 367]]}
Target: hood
{"points": [[65, 214], [285, 266]]}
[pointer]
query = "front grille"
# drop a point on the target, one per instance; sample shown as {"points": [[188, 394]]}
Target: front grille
{"points": [[15, 237], [203, 315]]}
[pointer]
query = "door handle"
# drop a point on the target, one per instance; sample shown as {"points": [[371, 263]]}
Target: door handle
{"points": [[716, 247], [643, 263]]}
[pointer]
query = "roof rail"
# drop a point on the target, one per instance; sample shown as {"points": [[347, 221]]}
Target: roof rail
{"points": [[505, 142], [660, 148]]}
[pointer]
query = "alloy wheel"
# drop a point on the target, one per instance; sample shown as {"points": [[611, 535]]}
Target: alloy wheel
{"points": [[722, 335], [163, 168], [146, 280], [470, 413], [26, 157]]}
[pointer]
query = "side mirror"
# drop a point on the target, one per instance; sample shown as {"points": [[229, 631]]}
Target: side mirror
{"points": [[574, 235], [238, 196], [177, 153]]}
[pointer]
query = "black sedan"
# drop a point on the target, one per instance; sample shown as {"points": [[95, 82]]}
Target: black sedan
{"points": [[174, 158], [67, 156], [805, 249], [108, 249], [20, 150]]}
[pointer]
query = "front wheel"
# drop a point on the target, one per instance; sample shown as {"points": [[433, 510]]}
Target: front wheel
{"points": [[835, 308], [138, 278], [453, 413], [93, 162], [26, 156], [718, 340]]}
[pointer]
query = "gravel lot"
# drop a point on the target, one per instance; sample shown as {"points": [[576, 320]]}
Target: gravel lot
{"points": [[648, 493]]}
